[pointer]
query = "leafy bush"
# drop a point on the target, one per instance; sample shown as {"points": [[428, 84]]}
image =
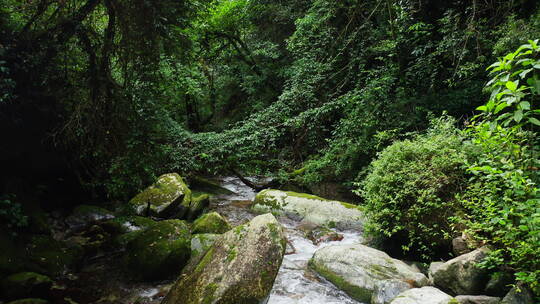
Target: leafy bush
{"points": [[503, 196], [410, 188], [11, 214]]}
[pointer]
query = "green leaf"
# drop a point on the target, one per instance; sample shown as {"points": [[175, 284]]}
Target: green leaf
{"points": [[500, 107], [482, 108], [512, 85], [518, 115], [525, 105], [534, 121]]}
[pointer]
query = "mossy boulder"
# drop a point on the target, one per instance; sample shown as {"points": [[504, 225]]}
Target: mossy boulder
{"points": [[201, 242], [47, 255], [29, 301], [424, 295], [197, 206], [211, 223], [163, 198], [86, 215], [359, 270], [239, 268], [462, 275], [309, 209], [159, 251], [25, 284]]}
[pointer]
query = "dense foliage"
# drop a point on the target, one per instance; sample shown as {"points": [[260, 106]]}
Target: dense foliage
{"points": [[98, 97], [411, 188]]}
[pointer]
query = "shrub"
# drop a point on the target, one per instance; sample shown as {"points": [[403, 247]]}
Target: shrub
{"points": [[410, 188]]}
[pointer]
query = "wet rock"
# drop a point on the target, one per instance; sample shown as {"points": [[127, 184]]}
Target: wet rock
{"points": [[197, 206], [310, 209], [322, 235], [478, 300], [208, 186], [387, 290], [163, 198], [29, 301], [239, 268], [461, 275], [26, 284], [424, 295], [519, 295], [358, 269], [211, 223], [125, 224], [86, 215], [160, 251], [499, 284], [432, 268], [201, 242], [460, 246]]}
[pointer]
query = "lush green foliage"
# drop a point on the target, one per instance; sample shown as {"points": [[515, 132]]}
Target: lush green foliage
{"points": [[502, 200], [410, 189]]}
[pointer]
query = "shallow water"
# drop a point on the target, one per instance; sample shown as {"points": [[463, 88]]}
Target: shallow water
{"points": [[295, 282]]}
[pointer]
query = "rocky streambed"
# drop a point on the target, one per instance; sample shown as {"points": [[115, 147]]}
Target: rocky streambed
{"points": [[221, 242]]}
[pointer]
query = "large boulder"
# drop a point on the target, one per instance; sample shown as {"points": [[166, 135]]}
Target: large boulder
{"points": [[461, 275], [197, 206], [424, 295], [168, 194], [359, 270], [309, 209], [200, 243], [26, 284], [239, 268], [519, 295], [159, 251], [388, 290], [211, 223], [478, 300]]}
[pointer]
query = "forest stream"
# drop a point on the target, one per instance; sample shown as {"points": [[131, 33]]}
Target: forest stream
{"points": [[295, 282]]}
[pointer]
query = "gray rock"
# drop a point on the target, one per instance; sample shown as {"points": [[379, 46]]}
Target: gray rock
{"points": [[359, 270], [432, 268], [201, 242], [461, 275], [388, 290], [424, 295], [519, 295], [460, 246], [310, 209], [85, 215], [240, 267], [478, 300], [499, 284]]}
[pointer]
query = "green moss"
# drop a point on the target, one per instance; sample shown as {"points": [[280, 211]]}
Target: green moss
{"points": [[305, 195], [163, 196], [231, 255], [209, 291], [205, 260], [355, 292], [204, 185], [211, 223], [159, 251]]}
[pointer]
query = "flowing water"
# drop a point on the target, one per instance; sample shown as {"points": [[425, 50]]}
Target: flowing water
{"points": [[295, 282]]}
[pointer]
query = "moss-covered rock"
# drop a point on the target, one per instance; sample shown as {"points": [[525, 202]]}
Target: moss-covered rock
{"points": [[163, 197], [29, 301], [201, 242], [239, 268], [159, 251], [26, 284], [125, 224], [197, 206], [211, 223], [309, 209], [371, 269], [47, 255]]}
